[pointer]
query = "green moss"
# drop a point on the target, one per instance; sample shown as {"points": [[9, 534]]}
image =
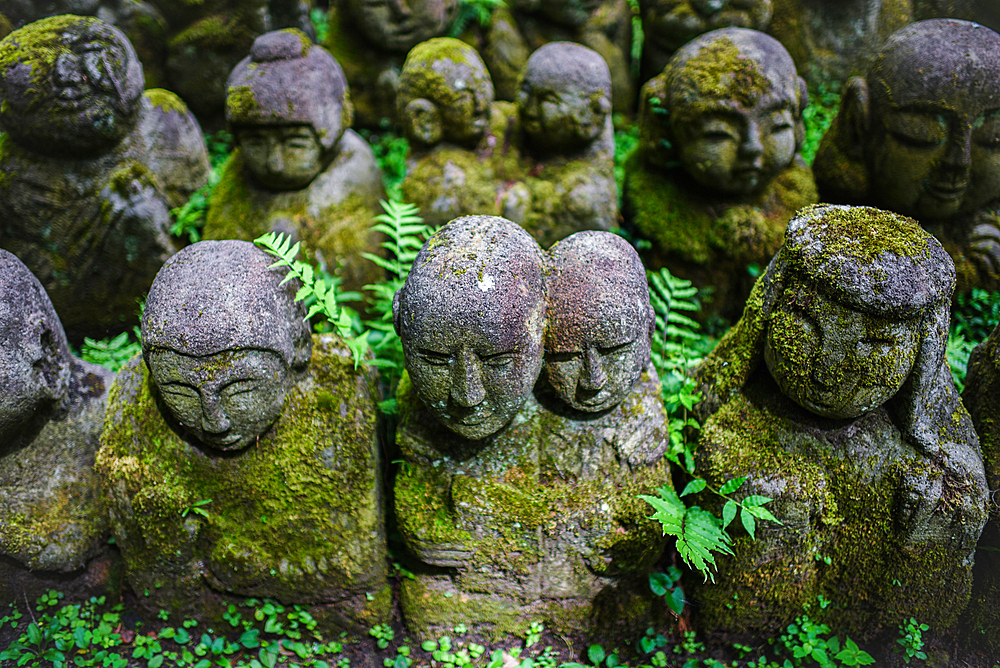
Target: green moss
{"points": [[718, 72], [442, 70], [166, 101], [217, 31], [241, 102]]}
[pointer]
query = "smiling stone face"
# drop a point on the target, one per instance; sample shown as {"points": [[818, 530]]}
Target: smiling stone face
{"points": [[70, 85], [934, 143], [470, 317]]}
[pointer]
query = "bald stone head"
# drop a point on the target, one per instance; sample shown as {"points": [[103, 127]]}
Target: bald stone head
{"points": [[928, 118], [565, 96], [224, 341], [599, 320], [727, 107], [288, 106], [35, 362], [470, 317], [444, 94], [70, 85]]}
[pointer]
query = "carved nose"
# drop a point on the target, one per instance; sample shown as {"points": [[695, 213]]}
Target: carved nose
{"points": [[958, 156], [213, 420], [592, 376], [274, 162], [68, 70], [466, 380], [752, 145], [399, 8]]}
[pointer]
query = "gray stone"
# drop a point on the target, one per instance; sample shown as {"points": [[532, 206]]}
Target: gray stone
{"points": [[833, 396], [916, 136], [53, 526], [240, 458], [297, 166]]}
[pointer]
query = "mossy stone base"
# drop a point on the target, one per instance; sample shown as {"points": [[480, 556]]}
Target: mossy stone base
{"points": [[297, 516], [539, 522], [708, 239], [836, 486]]}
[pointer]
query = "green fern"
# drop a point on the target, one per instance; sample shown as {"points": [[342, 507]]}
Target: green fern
{"points": [[322, 290], [699, 533], [480, 11]]}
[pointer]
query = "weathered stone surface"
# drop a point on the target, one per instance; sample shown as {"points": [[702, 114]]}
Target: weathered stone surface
{"points": [[297, 167], [86, 182], [714, 190], [53, 526], [229, 407], [370, 40], [667, 25], [462, 148], [833, 40], [600, 322], [177, 154], [981, 622], [569, 183], [918, 135], [833, 396]]}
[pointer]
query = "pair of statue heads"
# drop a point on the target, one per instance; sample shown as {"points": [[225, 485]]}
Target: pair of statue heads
{"points": [[727, 109], [224, 342], [484, 309], [288, 106], [445, 94]]}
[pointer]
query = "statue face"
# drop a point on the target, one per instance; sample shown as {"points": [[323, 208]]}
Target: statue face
{"points": [[559, 115], [473, 374], [399, 25], [466, 121], [598, 372], [282, 157], [669, 24], [833, 360], [933, 157], [225, 400], [738, 149]]}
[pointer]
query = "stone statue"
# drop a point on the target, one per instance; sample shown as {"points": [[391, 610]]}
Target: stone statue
{"points": [[833, 396], [370, 40], [85, 188], [565, 110], [530, 502], [831, 40], [981, 623], [717, 173], [985, 12], [237, 411], [917, 136], [53, 526], [462, 152], [667, 25], [298, 168]]}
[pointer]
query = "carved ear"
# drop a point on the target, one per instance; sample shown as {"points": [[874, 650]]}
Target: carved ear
{"points": [[49, 361], [855, 117], [422, 122], [800, 127], [395, 312], [600, 104]]}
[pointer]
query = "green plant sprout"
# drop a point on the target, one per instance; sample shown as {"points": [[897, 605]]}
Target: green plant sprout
{"points": [[198, 507], [323, 290], [480, 11], [667, 585], [911, 643]]}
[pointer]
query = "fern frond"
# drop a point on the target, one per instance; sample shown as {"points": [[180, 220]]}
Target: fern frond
{"points": [[698, 532]]}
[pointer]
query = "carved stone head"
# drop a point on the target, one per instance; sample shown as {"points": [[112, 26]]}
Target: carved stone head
{"points": [[564, 96], [445, 93], [35, 362], [223, 341], [399, 25], [728, 109], [599, 320], [670, 24], [921, 132], [288, 106], [70, 85], [471, 317]]}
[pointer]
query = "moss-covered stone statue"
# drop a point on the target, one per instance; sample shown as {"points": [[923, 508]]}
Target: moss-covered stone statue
{"points": [[831, 40], [86, 181], [920, 135], [833, 397], [298, 168], [239, 455], [565, 112], [370, 40], [667, 25], [462, 148], [981, 622], [717, 173], [53, 526], [529, 503]]}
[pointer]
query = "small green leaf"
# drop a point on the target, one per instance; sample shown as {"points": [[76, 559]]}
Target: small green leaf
{"points": [[596, 654], [729, 512], [748, 523], [694, 487], [732, 485]]}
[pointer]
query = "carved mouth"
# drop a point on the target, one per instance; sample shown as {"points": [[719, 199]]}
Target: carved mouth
{"points": [[71, 93], [947, 192]]}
